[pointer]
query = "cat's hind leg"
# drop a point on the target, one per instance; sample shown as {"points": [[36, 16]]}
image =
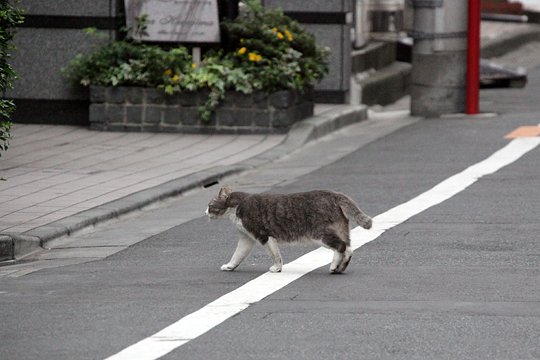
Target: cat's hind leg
{"points": [[332, 241], [273, 250], [336, 262], [345, 260], [243, 248]]}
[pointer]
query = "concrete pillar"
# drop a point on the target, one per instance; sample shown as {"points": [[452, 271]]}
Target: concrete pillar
{"points": [[439, 60]]}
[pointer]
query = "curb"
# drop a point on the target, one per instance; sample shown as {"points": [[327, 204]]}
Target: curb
{"points": [[16, 246], [7, 246], [12, 245], [508, 42]]}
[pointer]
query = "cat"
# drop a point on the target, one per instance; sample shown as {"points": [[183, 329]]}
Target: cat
{"points": [[321, 216]]}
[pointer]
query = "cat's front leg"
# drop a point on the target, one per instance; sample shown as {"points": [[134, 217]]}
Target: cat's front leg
{"points": [[243, 248], [273, 250]]}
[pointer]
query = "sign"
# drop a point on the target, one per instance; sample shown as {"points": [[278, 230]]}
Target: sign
{"points": [[176, 20]]}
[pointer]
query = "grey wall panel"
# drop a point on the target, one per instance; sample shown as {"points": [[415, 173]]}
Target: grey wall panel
{"points": [[70, 7], [40, 56], [311, 5], [338, 40]]}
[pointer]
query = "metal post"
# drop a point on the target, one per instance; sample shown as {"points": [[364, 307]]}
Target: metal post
{"points": [[196, 55], [361, 23], [473, 57]]}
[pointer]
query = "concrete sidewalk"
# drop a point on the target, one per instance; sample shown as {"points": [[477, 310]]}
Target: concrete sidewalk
{"points": [[57, 171], [61, 179]]}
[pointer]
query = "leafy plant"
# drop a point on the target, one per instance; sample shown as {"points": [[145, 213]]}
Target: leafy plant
{"points": [[218, 74], [127, 62], [271, 52], [10, 17], [276, 48]]}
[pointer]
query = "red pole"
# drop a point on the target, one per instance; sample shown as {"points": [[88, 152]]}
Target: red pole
{"points": [[473, 58]]}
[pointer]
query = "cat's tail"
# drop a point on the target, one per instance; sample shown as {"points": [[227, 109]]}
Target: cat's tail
{"points": [[352, 211]]}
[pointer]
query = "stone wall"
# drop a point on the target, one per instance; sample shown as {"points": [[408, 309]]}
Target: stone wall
{"points": [[146, 109]]}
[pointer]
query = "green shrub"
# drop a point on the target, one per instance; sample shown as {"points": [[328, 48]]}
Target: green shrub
{"points": [[276, 50], [270, 52], [10, 17], [127, 63], [218, 73]]}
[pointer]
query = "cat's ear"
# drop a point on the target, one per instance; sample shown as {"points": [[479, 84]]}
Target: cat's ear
{"points": [[224, 192]]}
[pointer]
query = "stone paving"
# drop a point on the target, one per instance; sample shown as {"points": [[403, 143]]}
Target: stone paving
{"points": [[56, 171]]}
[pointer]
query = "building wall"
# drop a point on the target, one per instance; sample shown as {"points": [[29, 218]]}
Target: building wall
{"points": [[49, 38]]}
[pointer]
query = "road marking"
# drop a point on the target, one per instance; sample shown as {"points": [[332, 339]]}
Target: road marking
{"points": [[524, 131], [216, 312]]}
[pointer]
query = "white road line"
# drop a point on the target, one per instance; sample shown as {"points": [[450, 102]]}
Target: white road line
{"points": [[216, 312]]}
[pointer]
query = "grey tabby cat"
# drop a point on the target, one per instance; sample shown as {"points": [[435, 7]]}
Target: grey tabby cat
{"points": [[321, 216]]}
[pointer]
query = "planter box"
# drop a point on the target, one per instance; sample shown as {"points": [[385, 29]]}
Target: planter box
{"points": [[149, 109]]}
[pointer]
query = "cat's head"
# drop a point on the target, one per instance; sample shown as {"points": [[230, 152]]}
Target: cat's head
{"points": [[217, 207]]}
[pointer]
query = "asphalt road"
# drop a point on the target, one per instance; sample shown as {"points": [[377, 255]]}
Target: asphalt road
{"points": [[458, 281]]}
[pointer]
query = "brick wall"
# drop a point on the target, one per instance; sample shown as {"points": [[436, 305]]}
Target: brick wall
{"points": [[146, 109]]}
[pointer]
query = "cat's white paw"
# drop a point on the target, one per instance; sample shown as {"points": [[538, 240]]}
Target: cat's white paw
{"points": [[335, 270], [227, 267], [275, 269]]}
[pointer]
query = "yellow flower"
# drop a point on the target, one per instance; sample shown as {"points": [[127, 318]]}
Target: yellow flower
{"points": [[254, 57], [279, 35], [242, 51], [193, 66], [274, 30], [288, 35], [167, 72], [175, 79]]}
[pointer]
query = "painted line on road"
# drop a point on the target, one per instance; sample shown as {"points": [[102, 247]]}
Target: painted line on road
{"points": [[216, 312], [524, 131]]}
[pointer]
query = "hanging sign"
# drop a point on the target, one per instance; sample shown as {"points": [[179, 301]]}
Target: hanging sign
{"points": [[193, 21]]}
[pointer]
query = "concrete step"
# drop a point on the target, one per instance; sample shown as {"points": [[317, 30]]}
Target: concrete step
{"points": [[375, 55], [383, 86]]}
